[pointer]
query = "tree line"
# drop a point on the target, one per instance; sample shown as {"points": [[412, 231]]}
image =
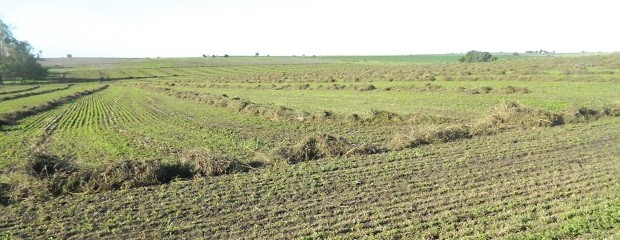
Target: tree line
{"points": [[16, 60]]}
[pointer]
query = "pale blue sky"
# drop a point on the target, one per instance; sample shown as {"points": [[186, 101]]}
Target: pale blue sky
{"points": [[183, 28]]}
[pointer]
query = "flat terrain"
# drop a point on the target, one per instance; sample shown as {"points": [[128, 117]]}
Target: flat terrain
{"points": [[396, 147]]}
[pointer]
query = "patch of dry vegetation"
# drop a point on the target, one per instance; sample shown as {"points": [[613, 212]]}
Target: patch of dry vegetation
{"points": [[584, 114], [513, 89], [503, 117], [46, 175], [317, 146]]}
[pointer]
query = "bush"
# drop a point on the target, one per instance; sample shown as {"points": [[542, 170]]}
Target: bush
{"points": [[16, 61], [476, 56]]}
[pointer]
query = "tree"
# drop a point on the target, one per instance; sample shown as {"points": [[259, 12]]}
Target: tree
{"points": [[16, 61], [70, 55], [255, 54], [204, 55], [475, 56]]}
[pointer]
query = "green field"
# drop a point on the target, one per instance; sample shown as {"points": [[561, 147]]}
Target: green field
{"points": [[345, 147]]}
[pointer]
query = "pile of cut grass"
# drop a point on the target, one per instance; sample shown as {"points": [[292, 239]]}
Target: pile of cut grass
{"points": [[512, 90], [46, 175], [428, 135], [512, 114], [503, 117], [584, 114], [317, 146]]}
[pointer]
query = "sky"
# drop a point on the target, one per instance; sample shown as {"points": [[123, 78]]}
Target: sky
{"points": [[190, 28]]}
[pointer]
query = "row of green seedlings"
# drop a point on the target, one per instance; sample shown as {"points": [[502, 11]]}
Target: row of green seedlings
{"points": [[20, 90], [46, 175], [96, 110], [504, 117], [12, 117], [28, 94]]}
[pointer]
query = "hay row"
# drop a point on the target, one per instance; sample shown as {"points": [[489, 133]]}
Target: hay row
{"points": [[504, 90], [45, 175], [245, 106], [28, 94], [427, 87], [506, 116], [283, 113], [18, 91]]}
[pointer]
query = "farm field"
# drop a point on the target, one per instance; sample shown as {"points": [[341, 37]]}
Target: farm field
{"points": [[394, 147]]}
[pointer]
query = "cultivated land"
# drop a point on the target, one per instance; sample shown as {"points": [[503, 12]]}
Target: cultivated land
{"points": [[394, 147]]}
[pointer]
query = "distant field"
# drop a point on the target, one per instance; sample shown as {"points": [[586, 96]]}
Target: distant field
{"points": [[438, 58], [398, 147]]}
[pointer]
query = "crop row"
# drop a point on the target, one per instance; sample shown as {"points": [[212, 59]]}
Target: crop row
{"points": [[26, 102], [402, 86], [13, 116], [27, 127]]}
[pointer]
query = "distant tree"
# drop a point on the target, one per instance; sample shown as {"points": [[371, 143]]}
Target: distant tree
{"points": [[213, 56], [515, 54], [16, 59], [204, 55], [69, 55], [255, 54], [225, 55], [476, 56]]}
